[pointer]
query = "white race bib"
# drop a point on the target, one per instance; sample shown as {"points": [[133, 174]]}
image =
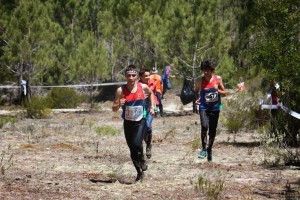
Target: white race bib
{"points": [[211, 97], [134, 113]]}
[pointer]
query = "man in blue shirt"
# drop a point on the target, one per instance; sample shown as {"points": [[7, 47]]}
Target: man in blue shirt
{"points": [[167, 73]]}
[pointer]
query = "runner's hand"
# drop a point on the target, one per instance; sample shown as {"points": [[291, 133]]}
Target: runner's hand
{"points": [[122, 101], [216, 86], [152, 112]]}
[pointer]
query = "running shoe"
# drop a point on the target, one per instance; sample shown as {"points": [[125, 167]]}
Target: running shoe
{"points": [[144, 166], [202, 154], [209, 156], [139, 177], [148, 152]]}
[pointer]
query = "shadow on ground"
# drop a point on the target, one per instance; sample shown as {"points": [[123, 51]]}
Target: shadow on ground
{"points": [[242, 144]]}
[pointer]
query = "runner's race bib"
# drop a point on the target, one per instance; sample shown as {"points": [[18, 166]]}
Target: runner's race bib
{"points": [[134, 113], [211, 97]]}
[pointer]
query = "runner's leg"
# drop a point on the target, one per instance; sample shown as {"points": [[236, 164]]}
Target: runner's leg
{"points": [[204, 127], [148, 135], [165, 88], [160, 106], [134, 134], [213, 123]]}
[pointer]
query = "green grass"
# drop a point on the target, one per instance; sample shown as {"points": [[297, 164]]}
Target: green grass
{"points": [[106, 131], [212, 190], [7, 119], [6, 160]]}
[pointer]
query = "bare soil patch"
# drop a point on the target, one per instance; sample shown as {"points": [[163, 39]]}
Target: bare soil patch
{"points": [[63, 157]]}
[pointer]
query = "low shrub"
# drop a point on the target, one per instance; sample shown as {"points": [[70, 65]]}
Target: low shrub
{"points": [[6, 160], [212, 190], [7, 119], [63, 98], [235, 122], [292, 157], [240, 112], [38, 108]]}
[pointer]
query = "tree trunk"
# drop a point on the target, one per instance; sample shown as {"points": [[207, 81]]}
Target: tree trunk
{"points": [[193, 80]]}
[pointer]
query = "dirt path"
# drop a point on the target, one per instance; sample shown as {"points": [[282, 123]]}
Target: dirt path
{"points": [[63, 157]]}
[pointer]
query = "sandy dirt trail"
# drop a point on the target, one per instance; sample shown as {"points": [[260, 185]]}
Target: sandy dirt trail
{"points": [[63, 157]]}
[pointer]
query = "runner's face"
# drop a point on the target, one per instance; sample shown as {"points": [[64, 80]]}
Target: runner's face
{"points": [[207, 72], [145, 78], [131, 77]]}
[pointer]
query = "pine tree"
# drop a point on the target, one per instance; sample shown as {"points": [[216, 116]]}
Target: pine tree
{"points": [[89, 62], [29, 31], [276, 50]]}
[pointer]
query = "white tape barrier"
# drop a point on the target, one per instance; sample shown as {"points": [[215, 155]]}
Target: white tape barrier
{"points": [[9, 87], [69, 86], [290, 112], [269, 107], [285, 109]]}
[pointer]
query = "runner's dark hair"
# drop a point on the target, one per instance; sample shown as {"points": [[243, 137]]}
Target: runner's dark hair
{"points": [[143, 70], [208, 64]]}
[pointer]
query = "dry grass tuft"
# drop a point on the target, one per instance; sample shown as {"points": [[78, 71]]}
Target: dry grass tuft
{"points": [[170, 133], [65, 146], [29, 146], [195, 143], [157, 139]]}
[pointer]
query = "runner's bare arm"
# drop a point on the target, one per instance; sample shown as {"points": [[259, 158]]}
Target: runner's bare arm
{"points": [[117, 101], [197, 87], [221, 89], [151, 95]]}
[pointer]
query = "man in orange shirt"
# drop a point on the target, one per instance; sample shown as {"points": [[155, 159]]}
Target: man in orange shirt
{"points": [[159, 88]]}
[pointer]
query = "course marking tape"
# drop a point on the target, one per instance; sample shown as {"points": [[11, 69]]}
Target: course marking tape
{"points": [[60, 86], [284, 108]]}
